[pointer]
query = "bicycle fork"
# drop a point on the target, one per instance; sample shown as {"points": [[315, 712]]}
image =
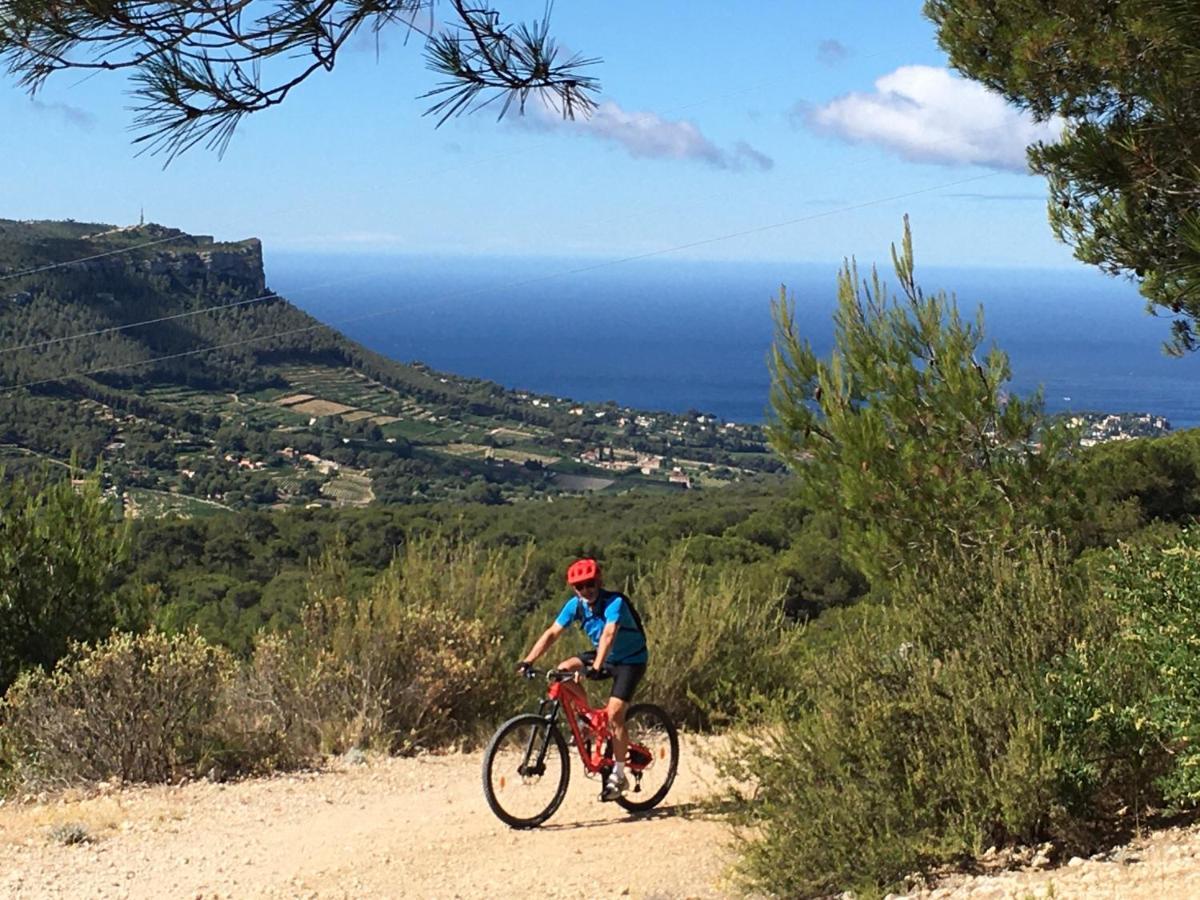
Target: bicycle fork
{"points": [[538, 768]]}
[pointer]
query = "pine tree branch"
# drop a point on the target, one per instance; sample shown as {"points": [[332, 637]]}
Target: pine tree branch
{"points": [[200, 66]]}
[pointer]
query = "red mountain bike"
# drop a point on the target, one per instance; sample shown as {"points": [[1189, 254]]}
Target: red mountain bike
{"points": [[526, 767]]}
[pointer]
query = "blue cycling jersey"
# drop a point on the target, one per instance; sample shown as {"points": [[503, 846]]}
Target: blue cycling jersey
{"points": [[628, 647]]}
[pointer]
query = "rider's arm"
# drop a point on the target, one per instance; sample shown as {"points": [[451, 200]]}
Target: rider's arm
{"points": [[606, 640], [542, 644]]}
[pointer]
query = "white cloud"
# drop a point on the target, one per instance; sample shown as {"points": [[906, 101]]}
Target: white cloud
{"points": [[928, 114], [647, 135]]}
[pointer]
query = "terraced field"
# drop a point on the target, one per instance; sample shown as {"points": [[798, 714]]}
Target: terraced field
{"points": [[349, 489]]}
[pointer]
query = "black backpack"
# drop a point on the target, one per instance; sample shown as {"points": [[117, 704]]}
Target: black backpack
{"points": [[633, 612], [637, 619]]}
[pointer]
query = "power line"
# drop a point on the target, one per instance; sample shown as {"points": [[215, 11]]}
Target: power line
{"points": [[113, 328], [71, 262], [785, 223], [522, 283], [145, 362], [270, 295]]}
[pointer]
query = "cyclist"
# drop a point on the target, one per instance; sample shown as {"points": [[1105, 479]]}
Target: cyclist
{"points": [[615, 631]]}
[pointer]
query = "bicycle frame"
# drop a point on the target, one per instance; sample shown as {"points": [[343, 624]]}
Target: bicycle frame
{"points": [[594, 744], [573, 701]]}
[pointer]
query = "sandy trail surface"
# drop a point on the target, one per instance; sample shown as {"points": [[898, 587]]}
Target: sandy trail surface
{"points": [[416, 827], [419, 827]]}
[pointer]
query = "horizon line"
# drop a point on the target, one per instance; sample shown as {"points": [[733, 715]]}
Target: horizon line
{"points": [[400, 255]]}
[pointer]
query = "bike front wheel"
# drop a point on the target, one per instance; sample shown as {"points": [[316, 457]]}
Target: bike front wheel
{"points": [[653, 756], [526, 769]]}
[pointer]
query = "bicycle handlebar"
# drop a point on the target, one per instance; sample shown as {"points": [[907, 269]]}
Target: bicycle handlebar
{"points": [[554, 674]]}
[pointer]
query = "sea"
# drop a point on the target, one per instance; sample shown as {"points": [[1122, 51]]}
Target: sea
{"points": [[679, 336]]}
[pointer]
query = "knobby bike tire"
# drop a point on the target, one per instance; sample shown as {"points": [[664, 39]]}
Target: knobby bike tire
{"points": [[556, 749], [656, 715]]}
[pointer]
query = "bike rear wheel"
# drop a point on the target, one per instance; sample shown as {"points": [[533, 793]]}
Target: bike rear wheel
{"points": [[526, 769], [653, 756]]}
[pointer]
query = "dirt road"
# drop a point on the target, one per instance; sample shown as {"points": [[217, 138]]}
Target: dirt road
{"points": [[389, 828], [420, 828]]}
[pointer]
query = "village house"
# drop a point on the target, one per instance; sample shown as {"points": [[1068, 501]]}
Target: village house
{"points": [[678, 476]]}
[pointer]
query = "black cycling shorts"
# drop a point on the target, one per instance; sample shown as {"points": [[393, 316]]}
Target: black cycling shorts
{"points": [[625, 677]]}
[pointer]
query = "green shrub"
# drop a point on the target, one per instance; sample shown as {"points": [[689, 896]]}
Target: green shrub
{"points": [[1131, 701], [922, 736], [135, 707], [422, 656], [60, 553], [70, 833], [718, 642]]}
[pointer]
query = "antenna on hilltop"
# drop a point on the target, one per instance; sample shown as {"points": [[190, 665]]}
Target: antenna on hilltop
{"points": [[142, 217]]}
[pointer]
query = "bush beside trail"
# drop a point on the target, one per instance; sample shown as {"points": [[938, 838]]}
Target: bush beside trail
{"points": [[1014, 687], [61, 552], [135, 707], [1129, 695], [412, 661], [1008, 700], [923, 738], [722, 646]]}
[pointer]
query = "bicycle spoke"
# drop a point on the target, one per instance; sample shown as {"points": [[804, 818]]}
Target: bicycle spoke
{"points": [[653, 757]]}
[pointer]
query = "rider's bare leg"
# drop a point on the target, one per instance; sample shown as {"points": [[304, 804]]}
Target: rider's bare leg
{"points": [[575, 664], [616, 713], [616, 721]]}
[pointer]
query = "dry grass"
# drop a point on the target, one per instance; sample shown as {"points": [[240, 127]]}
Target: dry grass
{"points": [[98, 814], [294, 398]]}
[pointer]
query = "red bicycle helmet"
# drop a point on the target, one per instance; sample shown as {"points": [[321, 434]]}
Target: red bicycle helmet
{"points": [[583, 570]]}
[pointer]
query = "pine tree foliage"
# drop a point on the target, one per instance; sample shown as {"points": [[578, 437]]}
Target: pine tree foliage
{"points": [[906, 431], [61, 550], [1124, 180], [199, 66]]}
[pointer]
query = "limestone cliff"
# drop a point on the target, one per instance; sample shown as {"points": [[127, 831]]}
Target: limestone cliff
{"points": [[192, 260], [197, 262]]}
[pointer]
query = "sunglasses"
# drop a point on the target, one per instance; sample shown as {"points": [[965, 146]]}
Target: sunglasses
{"points": [[585, 585]]}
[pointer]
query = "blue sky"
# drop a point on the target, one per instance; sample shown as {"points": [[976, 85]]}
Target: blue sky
{"points": [[717, 118]]}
